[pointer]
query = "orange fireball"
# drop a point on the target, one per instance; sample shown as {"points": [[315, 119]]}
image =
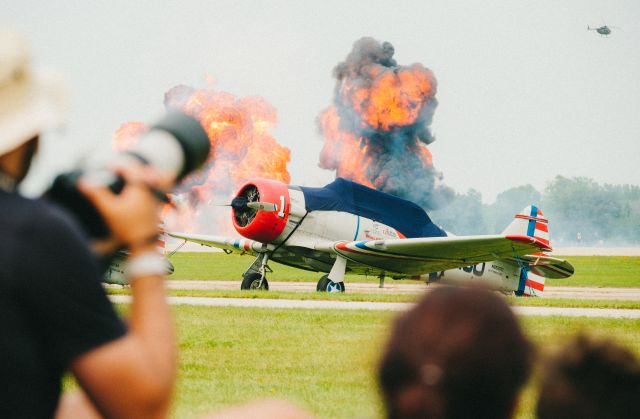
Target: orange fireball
{"points": [[241, 147]]}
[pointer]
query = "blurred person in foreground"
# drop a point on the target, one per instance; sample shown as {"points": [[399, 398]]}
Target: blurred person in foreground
{"points": [[590, 378], [460, 353], [55, 314]]}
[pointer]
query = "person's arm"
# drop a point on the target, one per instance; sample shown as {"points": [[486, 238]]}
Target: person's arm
{"points": [[133, 376]]}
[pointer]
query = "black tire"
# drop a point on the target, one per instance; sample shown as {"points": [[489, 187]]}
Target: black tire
{"points": [[327, 285], [251, 280]]}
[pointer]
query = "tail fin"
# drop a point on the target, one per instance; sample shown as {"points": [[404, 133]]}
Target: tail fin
{"points": [[530, 222]]}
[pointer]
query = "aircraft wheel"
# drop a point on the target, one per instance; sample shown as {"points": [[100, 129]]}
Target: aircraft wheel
{"points": [[327, 285], [251, 281]]}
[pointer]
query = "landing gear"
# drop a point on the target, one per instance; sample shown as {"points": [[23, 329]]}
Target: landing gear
{"points": [[255, 278], [327, 285], [382, 275], [254, 281], [334, 281]]}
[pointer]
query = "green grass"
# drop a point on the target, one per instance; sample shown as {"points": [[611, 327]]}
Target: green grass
{"points": [[220, 266], [324, 360], [384, 298], [602, 271], [284, 295], [573, 303], [591, 271]]}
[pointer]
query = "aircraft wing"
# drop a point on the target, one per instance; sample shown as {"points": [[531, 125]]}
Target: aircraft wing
{"points": [[228, 244], [433, 254]]}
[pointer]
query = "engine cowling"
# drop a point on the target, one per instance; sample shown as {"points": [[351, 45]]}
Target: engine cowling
{"points": [[262, 226]]}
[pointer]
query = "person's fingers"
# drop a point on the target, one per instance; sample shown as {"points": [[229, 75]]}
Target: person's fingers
{"points": [[100, 196]]}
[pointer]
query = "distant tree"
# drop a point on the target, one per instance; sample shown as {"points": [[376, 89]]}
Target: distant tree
{"points": [[627, 227], [464, 215], [508, 204], [601, 214], [598, 213]]}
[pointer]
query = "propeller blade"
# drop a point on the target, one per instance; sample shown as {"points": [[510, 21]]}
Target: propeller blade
{"points": [[217, 203], [263, 206]]}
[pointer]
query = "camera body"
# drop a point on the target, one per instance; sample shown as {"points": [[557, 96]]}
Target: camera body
{"points": [[176, 145]]}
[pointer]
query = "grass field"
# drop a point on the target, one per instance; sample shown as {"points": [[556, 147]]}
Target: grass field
{"points": [[591, 271], [219, 266], [324, 360], [602, 271]]}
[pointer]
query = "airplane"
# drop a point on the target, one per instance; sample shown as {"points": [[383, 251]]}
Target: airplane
{"points": [[347, 227], [115, 273]]}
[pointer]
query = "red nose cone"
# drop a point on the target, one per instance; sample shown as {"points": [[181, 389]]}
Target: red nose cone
{"points": [[262, 226]]}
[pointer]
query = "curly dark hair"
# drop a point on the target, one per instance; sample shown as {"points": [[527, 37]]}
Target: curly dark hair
{"points": [[460, 353], [590, 378]]}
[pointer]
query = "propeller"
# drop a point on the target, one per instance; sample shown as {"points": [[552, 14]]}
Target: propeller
{"points": [[242, 203]]}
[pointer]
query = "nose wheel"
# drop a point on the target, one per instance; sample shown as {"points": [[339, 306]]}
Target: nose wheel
{"points": [[327, 285], [255, 278], [254, 281]]}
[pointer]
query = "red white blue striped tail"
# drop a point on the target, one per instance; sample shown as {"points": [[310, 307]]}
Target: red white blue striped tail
{"points": [[530, 222]]}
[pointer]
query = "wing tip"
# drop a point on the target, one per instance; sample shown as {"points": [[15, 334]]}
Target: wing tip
{"points": [[540, 243]]}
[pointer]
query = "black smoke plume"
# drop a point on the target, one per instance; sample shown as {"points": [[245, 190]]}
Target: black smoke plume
{"points": [[378, 127]]}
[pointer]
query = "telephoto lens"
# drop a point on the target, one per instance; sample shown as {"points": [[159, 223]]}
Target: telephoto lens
{"points": [[175, 145]]}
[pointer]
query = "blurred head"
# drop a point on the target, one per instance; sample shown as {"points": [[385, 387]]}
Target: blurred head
{"points": [[590, 378], [459, 353], [30, 102]]}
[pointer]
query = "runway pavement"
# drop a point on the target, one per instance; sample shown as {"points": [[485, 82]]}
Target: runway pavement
{"points": [[366, 305], [402, 287]]}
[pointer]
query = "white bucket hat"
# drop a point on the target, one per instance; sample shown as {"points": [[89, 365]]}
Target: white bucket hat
{"points": [[30, 103]]}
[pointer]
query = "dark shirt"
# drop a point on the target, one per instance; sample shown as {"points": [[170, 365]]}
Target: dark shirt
{"points": [[52, 305]]}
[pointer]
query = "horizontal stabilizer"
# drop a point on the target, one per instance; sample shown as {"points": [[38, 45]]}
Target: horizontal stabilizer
{"points": [[544, 265]]}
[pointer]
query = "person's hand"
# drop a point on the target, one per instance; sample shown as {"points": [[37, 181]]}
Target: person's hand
{"points": [[133, 215]]}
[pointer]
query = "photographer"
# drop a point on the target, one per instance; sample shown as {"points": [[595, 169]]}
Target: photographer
{"points": [[55, 314]]}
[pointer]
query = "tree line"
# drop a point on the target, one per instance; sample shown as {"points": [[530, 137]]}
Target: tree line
{"points": [[580, 211]]}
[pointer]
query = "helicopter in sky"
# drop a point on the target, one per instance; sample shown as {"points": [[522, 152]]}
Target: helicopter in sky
{"points": [[603, 30]]}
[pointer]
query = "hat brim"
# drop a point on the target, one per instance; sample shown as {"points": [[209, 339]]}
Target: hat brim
{"points": [[31, 110]]}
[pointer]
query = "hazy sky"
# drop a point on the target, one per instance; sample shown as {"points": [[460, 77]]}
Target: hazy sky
{"points": [[525, 91]]}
